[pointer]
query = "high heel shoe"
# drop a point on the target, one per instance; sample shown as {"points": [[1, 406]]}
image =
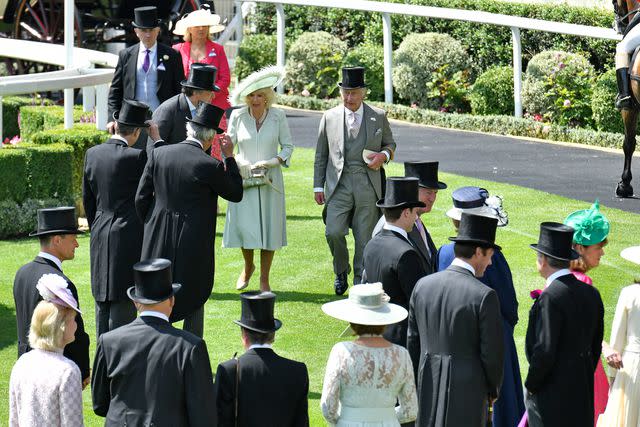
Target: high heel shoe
{"points": [[240, 283]]}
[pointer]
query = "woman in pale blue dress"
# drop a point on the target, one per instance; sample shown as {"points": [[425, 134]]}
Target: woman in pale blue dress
{"points": [[263, 140]]}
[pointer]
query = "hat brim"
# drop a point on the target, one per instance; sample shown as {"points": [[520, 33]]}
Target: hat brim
{"points": [[185, 83], [146, 27], [477, 241], [574, 254], [218, 130], [131, 292], [417, 204], [439, 185], [346, 310], [268, 77], [631, 254], [50, 232], [456, 213], [277, 325]]}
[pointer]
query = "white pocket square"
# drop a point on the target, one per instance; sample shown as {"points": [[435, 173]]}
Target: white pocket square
{"points": [[373, 119], [161, 67], [378, 131]]}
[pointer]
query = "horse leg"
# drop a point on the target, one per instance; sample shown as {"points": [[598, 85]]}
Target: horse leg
{"points": [[630, 120]]}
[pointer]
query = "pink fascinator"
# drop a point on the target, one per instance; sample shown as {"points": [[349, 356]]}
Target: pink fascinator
{"points": [[53, 288]]}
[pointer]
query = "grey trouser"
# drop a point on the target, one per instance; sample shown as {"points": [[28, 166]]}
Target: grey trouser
{"points": [[113, 314], [533, 414], [353, 203], [194, 322]]}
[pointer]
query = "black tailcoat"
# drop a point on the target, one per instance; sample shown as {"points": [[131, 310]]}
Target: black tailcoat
{"points": [[389, 258], [123, 85], [171, 117], [563, 345], [112, 172], [273, 391], [456, 345], [148, 373], [26, 297], [177, 200], [431, 262]]}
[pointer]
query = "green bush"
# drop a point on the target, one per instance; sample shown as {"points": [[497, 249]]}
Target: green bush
{"points": [[50, 170], [371, 57], [314, 63], [19, 219], [558, 86], [11, 112], [255, 52], [605, 115], [492, 92], [38, 118], [423, 59], [14, 177]]}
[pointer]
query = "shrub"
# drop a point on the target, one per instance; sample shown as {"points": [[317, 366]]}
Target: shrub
{"points": [[418, 61], [492, 92], [255, 52], [558, 85], [11, 112], [314, 64], [371, 57], [50, 170], [14, 177], [37, 118], [19, 219], [605, 115]]}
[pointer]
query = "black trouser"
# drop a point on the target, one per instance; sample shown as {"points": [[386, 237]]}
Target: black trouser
{"points": [[113, 314]]}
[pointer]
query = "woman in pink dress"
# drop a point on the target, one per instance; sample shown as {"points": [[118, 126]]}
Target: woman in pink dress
{"points": [[589, 239], [196, 29]]}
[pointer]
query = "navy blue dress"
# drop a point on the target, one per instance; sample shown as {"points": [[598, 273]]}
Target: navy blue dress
{"points": [[508, 409]]}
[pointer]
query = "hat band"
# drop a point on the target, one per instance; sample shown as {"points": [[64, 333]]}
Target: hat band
{"points": [[468, 205], [369, 301]]}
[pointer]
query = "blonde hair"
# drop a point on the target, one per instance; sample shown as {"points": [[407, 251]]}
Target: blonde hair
{"points": [[269, 95], [187, 35], [48, 324]]}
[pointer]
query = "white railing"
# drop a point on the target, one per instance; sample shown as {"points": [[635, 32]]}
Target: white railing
{"points": [[387, 9]]}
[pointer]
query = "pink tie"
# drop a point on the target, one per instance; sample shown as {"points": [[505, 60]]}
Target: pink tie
{"points": [[423, 234]]}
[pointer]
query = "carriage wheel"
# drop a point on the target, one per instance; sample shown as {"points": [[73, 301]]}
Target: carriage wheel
{"points": [[42, 21]]}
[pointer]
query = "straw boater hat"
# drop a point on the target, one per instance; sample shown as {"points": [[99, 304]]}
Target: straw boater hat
{"points": [[367, 305], [54, 288], [631, 254], [270, 76], [199, 18]]}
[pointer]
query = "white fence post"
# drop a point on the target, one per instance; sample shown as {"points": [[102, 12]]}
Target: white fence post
{"points": [[280, 41], [517, 71], [88, 98], [240, 29], [68, 42], [102, 95], [387, 41]]}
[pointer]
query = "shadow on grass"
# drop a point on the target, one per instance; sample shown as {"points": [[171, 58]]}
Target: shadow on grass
{"points": [[303, 217], [314, 395], [8, 329], [282, 296]]}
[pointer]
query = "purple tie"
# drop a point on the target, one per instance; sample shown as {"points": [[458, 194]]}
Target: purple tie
{"points": [[146, 63]]}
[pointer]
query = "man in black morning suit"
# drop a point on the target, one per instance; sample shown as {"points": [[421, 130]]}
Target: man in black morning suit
{"points": [[148, 71], [390, 257], [148, 373], [564, 337], [57, 229], [112, 171], [271, 390], [171, 115]]}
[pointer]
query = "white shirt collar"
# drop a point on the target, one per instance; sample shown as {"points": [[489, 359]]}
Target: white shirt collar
{"points": [[157, 314], [152, 50], [120, 138], [557, 274], [260, 346], [395, 228], [191, 106], [464, 264], [51, 258], [358, 112], [195, 140]]}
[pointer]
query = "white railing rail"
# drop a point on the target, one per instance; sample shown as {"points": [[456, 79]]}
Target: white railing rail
{"points": [[387, 9]]}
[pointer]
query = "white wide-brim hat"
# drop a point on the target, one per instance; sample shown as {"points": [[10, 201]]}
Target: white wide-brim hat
{"points": [[631, 254], [199, 18], [456, 213], [268, 77], [367, 305]]}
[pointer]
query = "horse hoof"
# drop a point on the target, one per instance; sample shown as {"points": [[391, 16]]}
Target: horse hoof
{"points": [[624, 190]]}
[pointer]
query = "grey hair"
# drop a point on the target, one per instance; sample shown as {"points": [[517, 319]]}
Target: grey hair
{"points": [[199, 132], [365, 91]]}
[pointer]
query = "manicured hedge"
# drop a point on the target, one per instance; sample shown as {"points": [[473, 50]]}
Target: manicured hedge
{"points": [[19, 219], [50, 171], [38, 118], [501, 125], [11, 112], [14, 177]]}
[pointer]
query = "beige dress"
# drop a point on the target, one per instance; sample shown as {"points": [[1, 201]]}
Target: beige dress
{"points": [[259, 220], [623, 407]]}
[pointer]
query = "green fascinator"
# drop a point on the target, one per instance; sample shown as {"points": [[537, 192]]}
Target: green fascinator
{"points": [[590, 225]]}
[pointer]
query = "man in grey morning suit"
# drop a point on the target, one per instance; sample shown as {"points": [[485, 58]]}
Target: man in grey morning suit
{"points": [[354, 141]]}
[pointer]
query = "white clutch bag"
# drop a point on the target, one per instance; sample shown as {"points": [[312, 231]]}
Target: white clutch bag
{"points": [[366, 153]]}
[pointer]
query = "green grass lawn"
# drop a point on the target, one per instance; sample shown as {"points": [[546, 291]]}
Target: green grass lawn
{"points": [[303, 279]]}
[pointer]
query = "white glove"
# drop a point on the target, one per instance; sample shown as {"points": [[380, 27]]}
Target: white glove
{"points": [[271, 163], [244, 168]]}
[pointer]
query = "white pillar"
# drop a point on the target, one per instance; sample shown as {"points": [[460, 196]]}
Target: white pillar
{"points": [[280, 40], [517, 71], [88, 98], [102, 95], [1, 113], [387, 42], [68, 63]]}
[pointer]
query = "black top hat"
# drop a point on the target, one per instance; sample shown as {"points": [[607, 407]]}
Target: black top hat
{"points": [[152, 281], [257, 312], [145, 17], [201, 77], [60, 220], [208, 115], [477, 229], [426, 172], [556, 241], [133, 113], [401, 192], [352, 78]]}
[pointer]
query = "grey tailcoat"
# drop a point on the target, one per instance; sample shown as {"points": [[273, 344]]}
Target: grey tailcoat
{"points": [[171, 117], [330, 151], [456, 345]]}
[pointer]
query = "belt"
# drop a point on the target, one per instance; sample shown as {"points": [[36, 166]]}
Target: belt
{"points": [[348, 413]]}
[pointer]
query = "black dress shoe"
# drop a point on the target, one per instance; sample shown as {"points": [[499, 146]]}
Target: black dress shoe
{"points": [[340, 285]]}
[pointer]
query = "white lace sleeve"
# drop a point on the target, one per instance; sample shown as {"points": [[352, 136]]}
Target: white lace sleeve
{"points": [[619, 325], [71, 398], [330, 400], [407, 410]]}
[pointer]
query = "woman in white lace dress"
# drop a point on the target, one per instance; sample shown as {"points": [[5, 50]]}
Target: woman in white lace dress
{"points": [[365, 378], [45, 388]]}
